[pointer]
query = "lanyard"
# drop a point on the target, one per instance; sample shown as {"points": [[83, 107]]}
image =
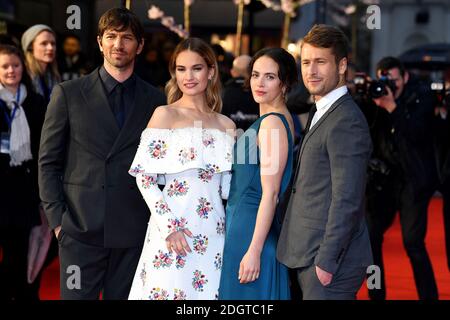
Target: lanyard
{"points": [[9, 119], [18, 95]]}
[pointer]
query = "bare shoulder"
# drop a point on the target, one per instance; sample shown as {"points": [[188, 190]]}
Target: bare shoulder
{"points": [[272, 122], [162, 117], [226, 122]]}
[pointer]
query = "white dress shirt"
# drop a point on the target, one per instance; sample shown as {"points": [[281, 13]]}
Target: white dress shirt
{"points": [[326, 102]]}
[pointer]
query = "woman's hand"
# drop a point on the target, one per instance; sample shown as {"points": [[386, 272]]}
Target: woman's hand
{"points": [[249, 267], [176, 241]]}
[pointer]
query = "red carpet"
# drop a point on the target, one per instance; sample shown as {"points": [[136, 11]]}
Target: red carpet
{"points": [[399, 277]]}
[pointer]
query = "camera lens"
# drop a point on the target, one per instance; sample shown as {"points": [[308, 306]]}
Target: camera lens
{"points": [[377, 89]]}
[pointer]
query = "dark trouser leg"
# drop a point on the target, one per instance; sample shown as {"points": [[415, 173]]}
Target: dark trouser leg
{"points": [[413, 216], [119, 275], [310, 285], [380, 212], [344, 285], [105, 270], [82, 268], [296, 292]]}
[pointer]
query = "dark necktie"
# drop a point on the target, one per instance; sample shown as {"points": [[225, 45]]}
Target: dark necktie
{"points": [[311, 114], [119, 105]]}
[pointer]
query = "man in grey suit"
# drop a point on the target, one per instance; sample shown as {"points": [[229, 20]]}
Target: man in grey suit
{"points": [[90, 136], [324, 234]]}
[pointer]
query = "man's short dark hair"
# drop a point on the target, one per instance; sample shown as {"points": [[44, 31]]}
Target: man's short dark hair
{"points": [[326, 36], [120, 19], [388, 63]]}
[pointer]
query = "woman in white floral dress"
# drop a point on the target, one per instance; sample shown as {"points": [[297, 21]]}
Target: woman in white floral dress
{"points": [[187, 147]]}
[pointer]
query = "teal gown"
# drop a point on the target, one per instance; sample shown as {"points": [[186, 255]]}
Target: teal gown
{"points": [[241, 211]]}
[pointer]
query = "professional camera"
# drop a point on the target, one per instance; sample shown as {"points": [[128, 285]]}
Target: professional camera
{"points": [[441, 96], [377, 88], [373, 89], [361, 83]]}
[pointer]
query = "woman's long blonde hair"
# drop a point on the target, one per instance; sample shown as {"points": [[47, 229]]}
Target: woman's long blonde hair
{"points": [[213, 96], [33, 67]]}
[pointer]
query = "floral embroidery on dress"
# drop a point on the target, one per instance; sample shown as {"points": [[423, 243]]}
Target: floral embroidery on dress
{"points": [[228, 157], [157, 149], [206, 174], [181, 261], [218, 261], [191, 169], [200, 243], [177, 224], [213, 168], [147, 181], [186, 155], [161, 207], [162, 260], [137, 169], [158, 294], [199, 280], [208, 140], [179, 294], [221, 226], [178, 188], [204, 208]]}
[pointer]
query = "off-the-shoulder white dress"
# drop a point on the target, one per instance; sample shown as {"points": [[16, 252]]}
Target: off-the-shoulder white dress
{"points": [[194, 164]]}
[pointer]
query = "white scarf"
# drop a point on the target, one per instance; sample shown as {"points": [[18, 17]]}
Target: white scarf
{"points": [[19, 143]]}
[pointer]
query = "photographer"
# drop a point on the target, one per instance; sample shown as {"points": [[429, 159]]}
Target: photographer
{"points": [[442, 151], [402, 171]]}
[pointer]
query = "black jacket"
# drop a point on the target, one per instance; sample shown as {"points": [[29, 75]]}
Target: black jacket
{"points": [[84, 160], [19, 194], [403, 139], [442, 149]]}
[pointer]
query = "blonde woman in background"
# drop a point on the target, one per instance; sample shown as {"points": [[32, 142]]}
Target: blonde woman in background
{"points": [[39, 47]]}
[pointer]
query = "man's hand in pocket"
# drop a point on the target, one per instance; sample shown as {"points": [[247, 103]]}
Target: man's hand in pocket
{"points": [[57, 230]]}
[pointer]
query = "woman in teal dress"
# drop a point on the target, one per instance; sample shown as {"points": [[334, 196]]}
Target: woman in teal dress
{"points": [[262, 168]]}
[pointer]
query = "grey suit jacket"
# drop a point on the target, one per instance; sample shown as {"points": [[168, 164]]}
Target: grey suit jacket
{"points": [[324, 222], [84, 159]]}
